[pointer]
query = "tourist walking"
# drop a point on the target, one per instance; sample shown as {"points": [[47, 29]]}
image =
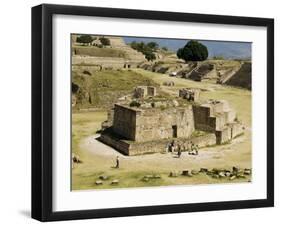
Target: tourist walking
{"points": [[117, 162]]}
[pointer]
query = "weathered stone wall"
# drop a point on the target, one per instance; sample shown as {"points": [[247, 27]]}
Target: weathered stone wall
{"points": [[118, 144], [103, 62], [212, 117], [204, 141], [223, 135], [139, 148], [151, 91], [140, 92], [87, 67], [202, 120], [229, 132], [160, 145], [143, 91], [237, 129], [220, 121], [230, 116], [124, 122], [158, 124]]}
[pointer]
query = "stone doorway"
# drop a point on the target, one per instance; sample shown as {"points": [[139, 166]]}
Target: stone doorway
{"points": [[175, 131]]}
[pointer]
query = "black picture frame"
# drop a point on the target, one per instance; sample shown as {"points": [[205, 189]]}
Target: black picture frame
{"points": [[42, 107]]}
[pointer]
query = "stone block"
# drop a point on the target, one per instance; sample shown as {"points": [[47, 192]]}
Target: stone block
{"points": [[98, 182]]}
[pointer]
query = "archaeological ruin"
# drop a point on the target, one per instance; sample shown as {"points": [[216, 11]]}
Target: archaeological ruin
{"points": [[115, 56], [189, 94], [149, 126]]}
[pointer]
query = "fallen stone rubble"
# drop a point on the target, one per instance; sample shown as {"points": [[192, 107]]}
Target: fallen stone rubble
{"points": [[234, 173], [217, 173]]}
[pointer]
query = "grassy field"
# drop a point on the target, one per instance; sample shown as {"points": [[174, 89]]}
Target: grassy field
{"points": [[105, 87], [83, 125], [99, 52], [133, 169]]}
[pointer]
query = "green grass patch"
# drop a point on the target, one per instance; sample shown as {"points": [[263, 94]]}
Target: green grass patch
{"points": [[99, 52], [105, 87]]}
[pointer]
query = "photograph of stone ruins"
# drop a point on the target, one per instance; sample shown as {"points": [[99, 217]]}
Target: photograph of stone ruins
{"points": [[157, 112]]}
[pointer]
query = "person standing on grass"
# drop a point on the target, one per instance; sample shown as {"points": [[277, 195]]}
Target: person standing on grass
{"points": [[117, 162], [179, 150], [196, 149]]}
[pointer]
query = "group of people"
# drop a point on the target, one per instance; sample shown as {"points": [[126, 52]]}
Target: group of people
{"points": [[174, 147], [179, 147]]}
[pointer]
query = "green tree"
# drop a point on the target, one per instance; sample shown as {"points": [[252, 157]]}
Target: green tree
{"points": [[149, 55], [105, 41], [84, 39], [193, 51], [146, 49], [152, 45]]}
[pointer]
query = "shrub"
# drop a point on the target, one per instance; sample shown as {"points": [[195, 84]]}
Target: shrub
{"points": [[105, 41], [84, 39], [135, 104], [152, 45]]}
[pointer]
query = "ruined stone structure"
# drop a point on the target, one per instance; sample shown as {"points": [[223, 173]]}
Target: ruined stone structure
{"points": [[115, 56], [190, 94], [138, 130], [144, 91], [217, 117], [152, 124]]}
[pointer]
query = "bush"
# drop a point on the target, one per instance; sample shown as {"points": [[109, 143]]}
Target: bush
{"points": [[135, 104], [152, 45], [105, 41], [74, 87], [193, 51], [84, 39]]}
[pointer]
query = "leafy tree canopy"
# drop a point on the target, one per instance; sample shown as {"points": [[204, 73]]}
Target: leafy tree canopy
{"points": [[193, 51], [147, 49], [85, 39], [152, 45]]}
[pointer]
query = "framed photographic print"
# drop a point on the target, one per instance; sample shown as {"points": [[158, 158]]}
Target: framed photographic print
{"points": [[146, 112]]}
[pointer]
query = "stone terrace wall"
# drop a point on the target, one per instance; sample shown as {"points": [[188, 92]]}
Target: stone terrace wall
{"points": [[228, 133], [223, 135], [158, 124], [204, 141], [237, 129], [207, 119], [124, 122], [160, 145], [140, 148], [118, 144], [103, 62]]}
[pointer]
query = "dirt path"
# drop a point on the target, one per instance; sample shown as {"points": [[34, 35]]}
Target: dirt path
{"points": [[218, 156]]}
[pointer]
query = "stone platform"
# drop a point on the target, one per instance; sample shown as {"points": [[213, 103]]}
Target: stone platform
{"points": [[131, 148]]}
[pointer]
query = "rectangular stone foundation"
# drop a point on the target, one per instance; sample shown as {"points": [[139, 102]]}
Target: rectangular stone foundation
{"points": [[138, 148]]}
